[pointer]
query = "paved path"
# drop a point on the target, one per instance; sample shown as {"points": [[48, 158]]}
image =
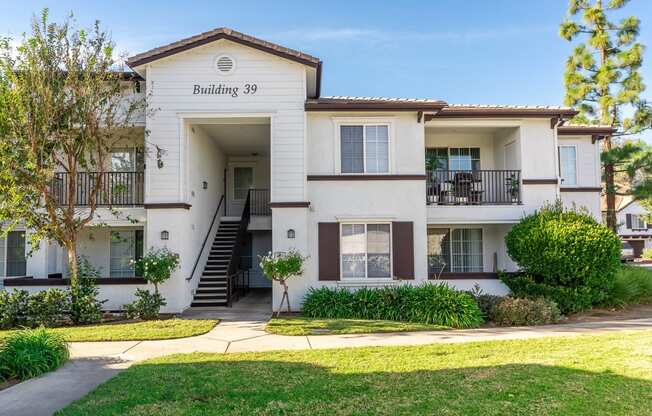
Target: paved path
{"points": [[242, 330]]}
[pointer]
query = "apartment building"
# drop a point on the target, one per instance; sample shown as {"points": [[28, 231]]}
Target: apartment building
{"points": [[375, 191]]}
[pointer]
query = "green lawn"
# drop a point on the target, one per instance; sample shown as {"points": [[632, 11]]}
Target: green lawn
{"points": [[309, 326], [583, 375], [136, 331]]}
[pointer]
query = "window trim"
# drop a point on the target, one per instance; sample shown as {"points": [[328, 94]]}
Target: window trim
{"points": [[366, 277], [135, 248], [231, 181], [5, 265], [641, 218], [365, 121], [561, 179], [450, 247]]}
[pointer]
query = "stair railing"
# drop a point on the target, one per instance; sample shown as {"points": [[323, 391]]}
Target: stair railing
{"points": [[234, 261], [208, 234]]}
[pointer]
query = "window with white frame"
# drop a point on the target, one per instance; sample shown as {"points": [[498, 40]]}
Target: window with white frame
{"points": [[568, 165], [126, 247], [455, 250], [16, 262], [364, 148], [243, 180], [453, 158], [638, 222], [365, 250]]}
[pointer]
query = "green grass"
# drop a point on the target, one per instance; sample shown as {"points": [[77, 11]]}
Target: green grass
{"points": [[312, 326], [583, 375], [136, 331]]}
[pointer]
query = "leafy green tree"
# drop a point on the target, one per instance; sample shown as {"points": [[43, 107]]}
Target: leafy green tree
{"points": [[62, 108], [603, 81]]}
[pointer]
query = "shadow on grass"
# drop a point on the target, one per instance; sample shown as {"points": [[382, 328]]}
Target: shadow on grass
{"points": [[213, 385]]}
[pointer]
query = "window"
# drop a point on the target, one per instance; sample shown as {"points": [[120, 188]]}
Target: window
{"points": [[638, 222], [243, 180], [454, 158], [16, 261], [126, 246], [365, 250], [464, 158], [567, 165], [127, 160], [364, 149], [455, 250]]}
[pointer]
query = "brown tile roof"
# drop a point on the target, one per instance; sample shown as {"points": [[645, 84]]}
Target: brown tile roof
{"points": [[222, 33], [585, 129], [341, 103], [470, 110]]}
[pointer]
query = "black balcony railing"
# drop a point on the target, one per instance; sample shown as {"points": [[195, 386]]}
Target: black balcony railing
{"points": [[473, 187], [259, 202], [116, 188]]}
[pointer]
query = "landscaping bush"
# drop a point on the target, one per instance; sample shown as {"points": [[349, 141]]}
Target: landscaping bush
{"points": [[485, 301], [48, 308], [632, 285], [524, 312], [647, 254], [30, 353], [565, 253], [146, 306], [569, 300], [429, 304], [14, 308], [85, 307]]}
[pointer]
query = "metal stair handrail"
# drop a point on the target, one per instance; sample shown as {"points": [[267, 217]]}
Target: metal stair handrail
{"points": [[234, 261], [208, 233]]}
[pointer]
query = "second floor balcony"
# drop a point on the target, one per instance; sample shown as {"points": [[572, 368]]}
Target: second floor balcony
{"points": [[473, 187], [116, 189]]}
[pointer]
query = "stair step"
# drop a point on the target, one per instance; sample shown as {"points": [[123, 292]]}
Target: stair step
{"points": [[210, 296], [207, 304], [211, 290], [212, 278]]}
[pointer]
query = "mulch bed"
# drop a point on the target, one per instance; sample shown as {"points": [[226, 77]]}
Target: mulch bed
{"points": [[8, 383]]}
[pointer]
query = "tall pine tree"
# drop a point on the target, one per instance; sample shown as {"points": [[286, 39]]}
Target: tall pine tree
{"points": [[604, 83]]}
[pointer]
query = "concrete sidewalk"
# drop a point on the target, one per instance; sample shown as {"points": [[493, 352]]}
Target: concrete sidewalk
{"points": [[242, 329]]}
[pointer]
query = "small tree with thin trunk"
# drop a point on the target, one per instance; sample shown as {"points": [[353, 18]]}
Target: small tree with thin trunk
{"points": [[63, 106], [603, 81], [280, 267]]}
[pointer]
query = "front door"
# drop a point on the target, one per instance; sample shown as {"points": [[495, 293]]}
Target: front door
{"points": [[241, 179]]}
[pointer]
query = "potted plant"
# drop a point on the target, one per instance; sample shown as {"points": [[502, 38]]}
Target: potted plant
{"points": [[280, 267]]}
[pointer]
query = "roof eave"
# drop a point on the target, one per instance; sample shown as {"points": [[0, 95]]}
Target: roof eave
{"points": [[505, 112], [134, 61], [410, 107]]}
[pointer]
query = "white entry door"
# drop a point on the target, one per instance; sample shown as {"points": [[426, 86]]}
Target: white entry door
{"points": [[241, 179]]}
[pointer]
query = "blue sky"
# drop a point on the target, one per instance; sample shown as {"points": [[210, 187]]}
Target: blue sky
{"points": [[473, 51]]}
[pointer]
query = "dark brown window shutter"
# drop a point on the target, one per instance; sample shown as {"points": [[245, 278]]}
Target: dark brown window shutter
{"points": [[403, 249], [329, 250], [628, 219]]}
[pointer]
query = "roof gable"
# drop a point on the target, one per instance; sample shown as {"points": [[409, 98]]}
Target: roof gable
{"points": [[217, 34]]}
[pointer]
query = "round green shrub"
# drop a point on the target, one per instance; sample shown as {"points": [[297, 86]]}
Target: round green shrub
{"points": [[31, 352], [429, 303], [525, 312], [566, 249]]}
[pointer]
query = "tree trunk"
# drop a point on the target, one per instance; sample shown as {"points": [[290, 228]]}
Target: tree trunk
{"points": [[72, 263], [610, 189]]}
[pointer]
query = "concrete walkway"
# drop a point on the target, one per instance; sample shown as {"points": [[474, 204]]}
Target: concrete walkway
{"points": [[242, 330]]}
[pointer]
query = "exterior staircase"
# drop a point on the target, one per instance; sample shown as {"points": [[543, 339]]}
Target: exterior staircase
{"points": [[212, 288]]}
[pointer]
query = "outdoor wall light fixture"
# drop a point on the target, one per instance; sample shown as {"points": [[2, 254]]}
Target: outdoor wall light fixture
{"points": [[204, 185], [291, 233], [165, 235]]}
